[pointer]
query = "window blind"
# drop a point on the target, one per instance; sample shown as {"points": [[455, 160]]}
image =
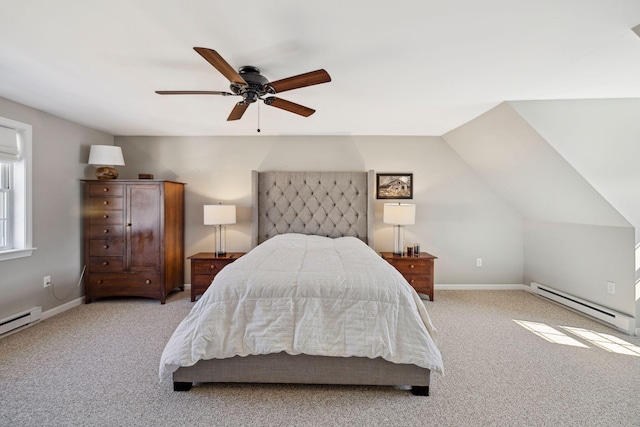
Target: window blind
{"points": [[9, 149]]}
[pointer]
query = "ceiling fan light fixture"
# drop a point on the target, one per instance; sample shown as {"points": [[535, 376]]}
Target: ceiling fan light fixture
{"points": [[248, 83]]}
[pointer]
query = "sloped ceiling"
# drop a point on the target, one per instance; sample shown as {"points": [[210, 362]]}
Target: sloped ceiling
{"points": [[520, 165], [404, 67], [601, 140]]}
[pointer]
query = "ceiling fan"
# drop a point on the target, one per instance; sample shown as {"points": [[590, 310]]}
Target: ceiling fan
{"points": [[248, 83]]}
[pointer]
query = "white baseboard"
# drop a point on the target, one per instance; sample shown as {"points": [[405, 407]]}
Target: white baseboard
{"points": [[62, 308], [76, 302], [481, 287]]}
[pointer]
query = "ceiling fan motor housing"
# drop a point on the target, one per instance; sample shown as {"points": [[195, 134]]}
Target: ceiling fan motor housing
{"points": [[257, 85]]}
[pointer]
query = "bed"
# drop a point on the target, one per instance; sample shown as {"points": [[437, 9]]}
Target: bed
{"points": [[311, 303]]}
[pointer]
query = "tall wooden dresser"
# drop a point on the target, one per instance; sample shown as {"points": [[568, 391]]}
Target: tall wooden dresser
{"points": [[133, 238]]}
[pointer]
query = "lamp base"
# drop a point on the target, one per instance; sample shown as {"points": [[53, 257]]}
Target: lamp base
{"points": [[106, 172], [221, 253], [398, 240]]}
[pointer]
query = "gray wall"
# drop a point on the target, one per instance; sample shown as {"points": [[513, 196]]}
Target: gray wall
{"points": [[575, 240], [60, 152], [458, 217]]}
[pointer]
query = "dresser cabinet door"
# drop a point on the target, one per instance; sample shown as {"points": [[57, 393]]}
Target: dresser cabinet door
{"points": [[143, 227]]}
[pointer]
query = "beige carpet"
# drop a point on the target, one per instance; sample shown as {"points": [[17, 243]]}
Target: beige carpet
{"points": [[97, 365]]}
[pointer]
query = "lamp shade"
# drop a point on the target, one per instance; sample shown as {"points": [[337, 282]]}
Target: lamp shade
{"points": [[399, 214], [219, 214], [106, 155]]}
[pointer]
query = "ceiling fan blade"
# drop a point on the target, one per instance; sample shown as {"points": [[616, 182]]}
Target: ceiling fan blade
{"points": [[238, 111], [221, 65], [289, 106], [192, 92], [307, 79]]}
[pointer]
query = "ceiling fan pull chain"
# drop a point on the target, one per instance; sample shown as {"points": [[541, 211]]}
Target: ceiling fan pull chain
{"points": [[258, 117]]}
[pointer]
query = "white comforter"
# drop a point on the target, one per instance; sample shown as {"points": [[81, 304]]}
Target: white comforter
{"points": [[310, 295]]}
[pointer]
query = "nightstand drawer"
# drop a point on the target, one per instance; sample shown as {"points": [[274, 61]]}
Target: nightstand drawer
{"points": [[417, 270], [205, 266], [203, 280], [412, 266], [210, 266], [419, 283]]}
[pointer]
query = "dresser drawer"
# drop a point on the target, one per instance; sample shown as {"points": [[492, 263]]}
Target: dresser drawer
{"points": [[106, 189], [106, 264], [106, 247], [123, 284], [106, 217], [106, 231], [101, 204]]}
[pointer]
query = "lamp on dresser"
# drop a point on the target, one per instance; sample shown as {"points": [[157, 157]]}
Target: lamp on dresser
{"points": [[106, 157], [220, 215], [399, 215]]}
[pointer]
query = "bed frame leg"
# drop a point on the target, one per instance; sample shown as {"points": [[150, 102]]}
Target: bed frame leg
{"points": [[417, 390], [180, 386]]}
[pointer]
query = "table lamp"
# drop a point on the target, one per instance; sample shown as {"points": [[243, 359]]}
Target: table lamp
{"points": [[220, 215], [399, 215]]}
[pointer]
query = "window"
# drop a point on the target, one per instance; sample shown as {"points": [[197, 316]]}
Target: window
{"points": [[5, 203], [15, 190]]}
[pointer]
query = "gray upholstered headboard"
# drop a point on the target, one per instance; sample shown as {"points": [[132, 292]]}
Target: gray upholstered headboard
{"points": [[331, 204]]}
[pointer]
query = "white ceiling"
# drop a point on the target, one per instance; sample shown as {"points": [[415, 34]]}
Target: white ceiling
{"points": [[398, 67]]}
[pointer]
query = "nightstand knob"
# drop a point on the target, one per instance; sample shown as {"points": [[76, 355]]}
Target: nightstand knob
{"points": [[105, 202], [105, 231], [100, 282], [411, 280], [105, 216], [147, 281], [412, 266], [105, 263], [105, 189], [212, 267], [106, 246]]}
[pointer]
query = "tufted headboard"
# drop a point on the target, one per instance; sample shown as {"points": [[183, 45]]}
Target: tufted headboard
{"points": [[331, 204]]}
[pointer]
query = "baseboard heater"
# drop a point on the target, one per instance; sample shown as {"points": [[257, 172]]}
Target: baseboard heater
{"points": [[19, 320], [613, 318]]}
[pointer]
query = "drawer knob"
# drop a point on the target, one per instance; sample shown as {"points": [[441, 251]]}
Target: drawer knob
{"points": [[147, 281], [100, 281], [105, 202], [105, 263], [412, 280], [128, 224], [105, 231], [106, 246], [105, 189], [412, 266], [105, 216], [212, 267]]}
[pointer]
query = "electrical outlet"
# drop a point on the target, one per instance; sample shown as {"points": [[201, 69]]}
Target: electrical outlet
{"points": [[46, 281], [611, 287], [478, 262]]}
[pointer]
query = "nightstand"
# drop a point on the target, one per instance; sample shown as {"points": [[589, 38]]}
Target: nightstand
{"points": [[205, 266], [417, 270]]}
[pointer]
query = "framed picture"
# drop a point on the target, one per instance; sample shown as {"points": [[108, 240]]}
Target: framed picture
{"points": [[394, 186]]}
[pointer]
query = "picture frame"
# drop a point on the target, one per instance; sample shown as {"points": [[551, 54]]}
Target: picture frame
{"points": [[394, 185]]}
